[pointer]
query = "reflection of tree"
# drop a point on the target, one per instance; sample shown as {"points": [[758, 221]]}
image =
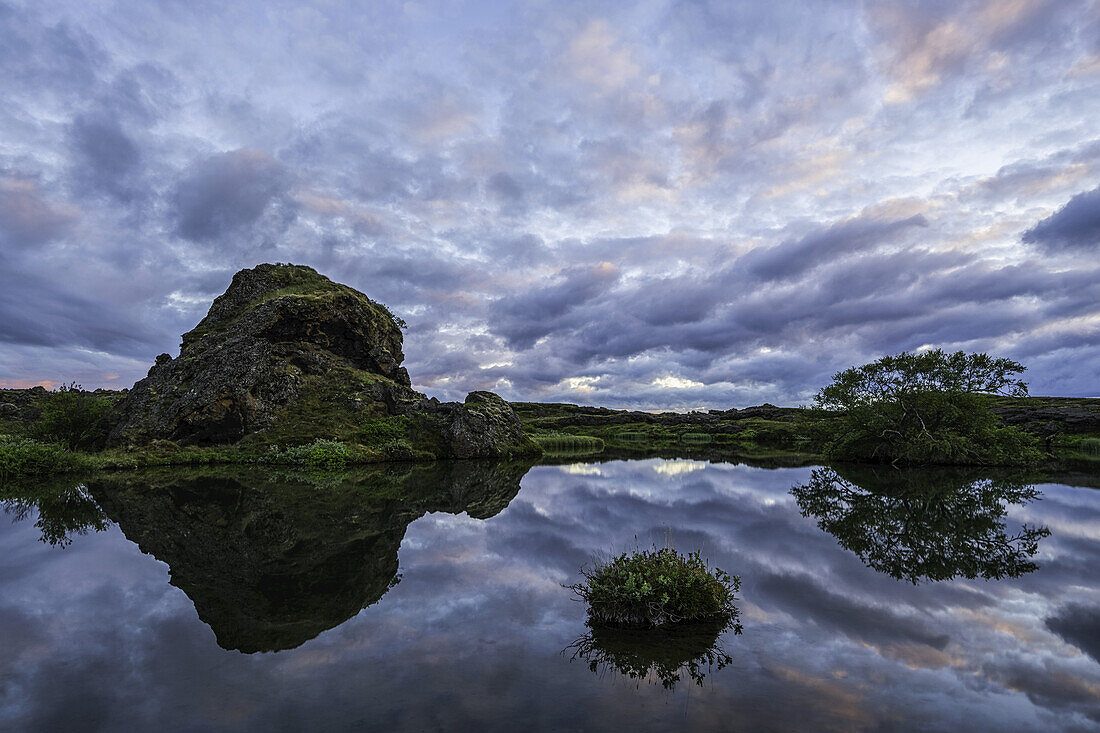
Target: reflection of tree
{"points": [[917, 525], [661, 655], [63, 509]]}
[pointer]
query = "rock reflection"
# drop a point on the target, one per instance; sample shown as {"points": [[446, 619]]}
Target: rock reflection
{"points": [[658, 656], [924, 525], [271, 560]]}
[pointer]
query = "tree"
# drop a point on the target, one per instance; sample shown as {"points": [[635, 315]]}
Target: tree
{"points": [[926, 408]]}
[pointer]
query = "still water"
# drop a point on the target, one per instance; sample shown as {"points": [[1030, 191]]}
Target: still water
{"points": [[431, 598]]}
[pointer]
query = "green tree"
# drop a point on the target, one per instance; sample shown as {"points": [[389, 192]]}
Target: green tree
{"points": [[77, 419], [926, 408]]}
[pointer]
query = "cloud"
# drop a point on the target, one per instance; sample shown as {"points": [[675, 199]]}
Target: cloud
{"points": [[227, 192], [108, 158], [28, 218], [1075, 226], [767, 218], [847, 238], [522, 319], [1080, 626]]}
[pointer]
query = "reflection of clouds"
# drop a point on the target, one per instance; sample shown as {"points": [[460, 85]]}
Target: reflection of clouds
{"points": [[581, 469], [675, 468], [828, 643]]}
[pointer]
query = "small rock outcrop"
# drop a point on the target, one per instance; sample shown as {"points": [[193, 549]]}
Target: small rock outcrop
{"points": [[287, 355]]}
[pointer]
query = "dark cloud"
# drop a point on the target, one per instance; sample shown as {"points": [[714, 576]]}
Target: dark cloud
{"points": [[227, 192], [524, 318], [1080, 626], [38, 311], [848, 238], [1074, 227], [107, 158]]}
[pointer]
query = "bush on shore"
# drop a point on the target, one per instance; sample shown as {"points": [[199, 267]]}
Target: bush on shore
{"points": [[28, 457], [323, 455], [926, 408], [653, 588], [74, 418]]}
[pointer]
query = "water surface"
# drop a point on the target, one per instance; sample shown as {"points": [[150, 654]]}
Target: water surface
{"points": [[230, 600]]}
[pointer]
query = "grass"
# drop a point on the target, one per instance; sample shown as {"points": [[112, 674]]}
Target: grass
{"points": [[655, 588], [564, 444], [27, 457], [1089, 446]]}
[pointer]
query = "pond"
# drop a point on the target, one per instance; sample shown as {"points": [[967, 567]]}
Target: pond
{"points": [[431, 598]]}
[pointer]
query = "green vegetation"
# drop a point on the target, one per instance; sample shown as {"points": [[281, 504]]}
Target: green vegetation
{"points": [[652, 588], [325, 455], [925, 409], [297, 281], [565, 444], [1078, 448], [792, 436], [382, 430], [1089, 446], [77, 419], [28, 457]]}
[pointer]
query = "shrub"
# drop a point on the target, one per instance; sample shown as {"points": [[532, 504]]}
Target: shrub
{"points": [[652, 588], [325, 455], [632, 437], [382, 430], [27, 457], [696, 438], [926, 408], [77, 419]]}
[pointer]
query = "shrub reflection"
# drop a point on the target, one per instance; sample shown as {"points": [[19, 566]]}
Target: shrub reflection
{"points": [[662, 656]]}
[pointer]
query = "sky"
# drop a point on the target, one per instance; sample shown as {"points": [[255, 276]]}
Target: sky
{"points": [[653, 205]]}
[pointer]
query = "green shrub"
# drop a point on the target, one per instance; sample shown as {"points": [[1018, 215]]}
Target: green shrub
{"points": [[325, 455], [27, 457], [77, 419], [382, 430], [632, 437], [696, 438], [652, 588]]}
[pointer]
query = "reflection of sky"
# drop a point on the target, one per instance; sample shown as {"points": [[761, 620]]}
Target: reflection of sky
{"points": [[94, 637]]}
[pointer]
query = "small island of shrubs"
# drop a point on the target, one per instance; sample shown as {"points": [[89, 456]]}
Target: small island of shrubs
{"points": [[656, 588]]}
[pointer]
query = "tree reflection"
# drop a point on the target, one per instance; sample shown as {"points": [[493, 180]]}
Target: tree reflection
{"points": [[931, 525], [656, 655], [64, 509]]}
